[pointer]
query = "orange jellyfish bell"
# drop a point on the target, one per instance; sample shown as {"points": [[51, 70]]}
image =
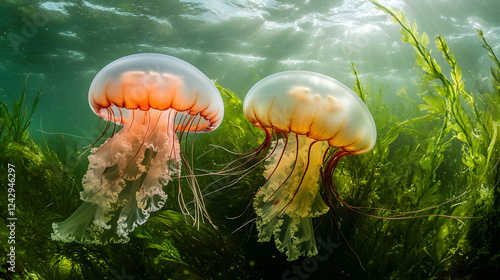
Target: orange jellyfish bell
{"points": [[153, 96], [315, 120]]}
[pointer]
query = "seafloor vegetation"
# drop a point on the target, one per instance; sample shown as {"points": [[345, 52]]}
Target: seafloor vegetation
{"points": [[435, 166]]}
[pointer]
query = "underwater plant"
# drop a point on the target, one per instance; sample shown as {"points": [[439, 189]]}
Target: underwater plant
{"points": [[310, 121], [13, 126], [183, 252], [444, 162], [153, 96]]}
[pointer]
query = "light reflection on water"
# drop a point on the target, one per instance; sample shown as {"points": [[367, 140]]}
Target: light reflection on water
{"points": [[229, 41]]}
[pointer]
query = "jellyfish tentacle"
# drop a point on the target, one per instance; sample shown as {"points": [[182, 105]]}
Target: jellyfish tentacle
{"points": [[181, 127], [264, 146], [198, 195], [278, 199], [279, 132], [288, 214], [273, 195], [327, 182], [98, 139], [178, 159], [185, 124], [199, 205], [114, 124], [331, 193], [303, 174], [283, 210], [276, 144], [255, 153], [138, 189]]}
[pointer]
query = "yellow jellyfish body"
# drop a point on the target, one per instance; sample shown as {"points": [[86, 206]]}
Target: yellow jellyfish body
{"points": [[308, 114], [154, 97]]}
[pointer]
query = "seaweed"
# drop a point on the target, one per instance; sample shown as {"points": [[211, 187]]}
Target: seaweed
{"points": [[171, 241], [439, 206], [494, 70], [14, 125]]}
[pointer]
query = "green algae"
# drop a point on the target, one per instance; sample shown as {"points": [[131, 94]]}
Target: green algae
{"points": [[14, 125]]}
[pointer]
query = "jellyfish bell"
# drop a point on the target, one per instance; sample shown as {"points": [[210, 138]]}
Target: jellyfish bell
{"points": [[315, 120], [154, 97]]}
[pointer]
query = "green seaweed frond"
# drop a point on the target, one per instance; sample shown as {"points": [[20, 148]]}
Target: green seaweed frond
{"points": [[495, 71], [13, 125], [488, 48], [254, 72], [358, 88]]}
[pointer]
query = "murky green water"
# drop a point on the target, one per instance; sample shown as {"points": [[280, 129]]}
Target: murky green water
{"points": [[62, 45]]}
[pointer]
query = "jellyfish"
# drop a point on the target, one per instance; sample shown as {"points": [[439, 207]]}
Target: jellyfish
{"points": [[152, 97], [314, 120]]}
